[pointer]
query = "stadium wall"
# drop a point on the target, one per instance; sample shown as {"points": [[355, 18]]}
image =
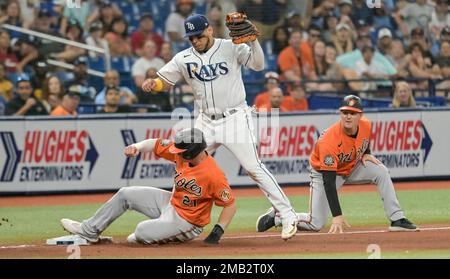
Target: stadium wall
{"points": [[42, 154]]}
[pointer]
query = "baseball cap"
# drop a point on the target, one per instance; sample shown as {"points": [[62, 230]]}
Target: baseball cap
{"points": [[22, 77], [384, 32], [73, 93], [348, 2], [80, 60], [269, 76], [351, 103], [195, 25], [96, 26], [342, 25], [445, 31]]}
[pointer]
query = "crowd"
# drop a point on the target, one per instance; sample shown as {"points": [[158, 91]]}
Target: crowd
{"points": [[329, 43]]}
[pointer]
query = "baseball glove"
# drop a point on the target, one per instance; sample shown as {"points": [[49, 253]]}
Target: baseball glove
{"points": [[241, 29]]}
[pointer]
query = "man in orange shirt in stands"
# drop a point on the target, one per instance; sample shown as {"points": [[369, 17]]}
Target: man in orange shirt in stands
{"points": [[272, 81], [296, 101], [293, 64], [276, 98], [175, 216], [69, 105]]}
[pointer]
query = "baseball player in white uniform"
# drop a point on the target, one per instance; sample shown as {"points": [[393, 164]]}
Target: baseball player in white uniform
{"points": [[212, 67]]}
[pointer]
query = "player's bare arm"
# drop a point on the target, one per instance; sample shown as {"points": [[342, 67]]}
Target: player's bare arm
{"points": [[218, 230]]}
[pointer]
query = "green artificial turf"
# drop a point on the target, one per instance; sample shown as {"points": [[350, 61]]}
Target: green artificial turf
{"points": [[37, 223]]}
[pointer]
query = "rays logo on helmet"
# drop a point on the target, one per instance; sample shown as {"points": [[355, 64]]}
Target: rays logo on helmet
{"points": [[328, 160], [190, 26], [225, 195]]}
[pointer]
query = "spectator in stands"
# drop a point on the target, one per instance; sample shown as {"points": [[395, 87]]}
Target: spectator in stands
{"points": [[345, 11], [13, 16], [7, 55], [26, 51], [42, 23], [324, 61], [398, 59], [420, 66], [166, 53], [417, 14], [175, 22], [24, 102], [147, 60], [276, 98], [112, 78], [80, 82], [443, 62], [418, 37], [96, 39], [161, 101], [74, 33], [40, 70], [382, 18], [297, 100], [52, 93], [215, 19], [329, 27], [117, 37], [266, 15], [292, 21], [272, 80], [403, 97], [304, 8], [80, 14], [112, 104], [321, 9], [343, 40], [6, 86], [144, 33], [292, 62], [384, 41], [280, 39], [440, 18], [69, 104], [306, 47], [369, 68], [360, 11], [106, 14]]}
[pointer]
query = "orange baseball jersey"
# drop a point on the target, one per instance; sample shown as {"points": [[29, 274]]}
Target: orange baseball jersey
{"points": [[336, 151], [196, 188]]}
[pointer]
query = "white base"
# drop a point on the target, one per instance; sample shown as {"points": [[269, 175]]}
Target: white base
{"points": [[75, 240]]}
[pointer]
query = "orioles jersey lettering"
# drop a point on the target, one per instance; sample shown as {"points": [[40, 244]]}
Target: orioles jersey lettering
{"points": [[196, 188], [336, 151]]}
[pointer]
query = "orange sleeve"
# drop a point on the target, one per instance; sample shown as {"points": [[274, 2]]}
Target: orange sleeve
{"points": [[162, 149], [328, 159], [307, 55], [222, 192]]}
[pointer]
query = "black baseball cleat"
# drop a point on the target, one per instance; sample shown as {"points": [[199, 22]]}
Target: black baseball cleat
{"points": [[266, 221], [402, 225]]}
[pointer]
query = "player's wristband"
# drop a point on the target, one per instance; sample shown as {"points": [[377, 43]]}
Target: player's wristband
{"points": [[158, 85], [215, 235]]}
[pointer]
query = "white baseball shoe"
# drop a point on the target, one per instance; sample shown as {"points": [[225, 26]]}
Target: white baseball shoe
{"points": [[132, 239], [289, 228], [74, 227]]}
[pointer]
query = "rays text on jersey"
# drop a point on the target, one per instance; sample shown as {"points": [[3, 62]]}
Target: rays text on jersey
{"points": [[206, 72]]}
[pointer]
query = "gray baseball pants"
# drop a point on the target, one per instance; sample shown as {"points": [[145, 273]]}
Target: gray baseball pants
{"points": [[317, 217], [165, 224]]}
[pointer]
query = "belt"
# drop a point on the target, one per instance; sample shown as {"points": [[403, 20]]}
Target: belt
{"points": [[218, 116]]}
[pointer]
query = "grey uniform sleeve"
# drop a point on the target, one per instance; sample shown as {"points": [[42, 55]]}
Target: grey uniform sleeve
{"points": [[171, 72], [251, 56]]}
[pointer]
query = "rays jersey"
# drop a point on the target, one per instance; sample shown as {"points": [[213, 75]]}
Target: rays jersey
{"points": [[215, 76]]}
